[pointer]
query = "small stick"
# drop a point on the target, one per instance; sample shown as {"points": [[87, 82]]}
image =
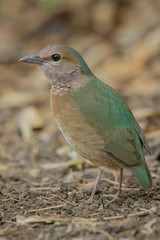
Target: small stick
{"points": [[63, 200], [46, 208], [104, 233], [144, 211]]}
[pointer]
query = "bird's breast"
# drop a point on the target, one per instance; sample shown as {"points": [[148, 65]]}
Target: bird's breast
{"points": [[82, 137]]}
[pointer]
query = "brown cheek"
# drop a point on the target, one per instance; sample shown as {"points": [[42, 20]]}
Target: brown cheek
{"points": [[68, 68]]}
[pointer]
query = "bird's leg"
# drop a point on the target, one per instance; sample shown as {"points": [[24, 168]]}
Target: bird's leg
{"points": [[114, 197], [120, 183], [96, 183]]}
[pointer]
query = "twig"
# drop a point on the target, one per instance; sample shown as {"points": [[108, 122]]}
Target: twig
{"points": [[10, 199], [63, 200], [130, 188], [44, 188], [143, 211], [47, 208], [104, 233]]}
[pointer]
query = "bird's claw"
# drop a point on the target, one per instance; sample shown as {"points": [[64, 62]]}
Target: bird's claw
{"points": [[90, 200]]}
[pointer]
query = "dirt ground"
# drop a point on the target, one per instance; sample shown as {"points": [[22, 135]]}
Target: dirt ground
{"points": [[44, 185]]}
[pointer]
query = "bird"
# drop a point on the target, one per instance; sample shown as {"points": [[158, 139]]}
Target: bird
{"points": [[94, 119]]}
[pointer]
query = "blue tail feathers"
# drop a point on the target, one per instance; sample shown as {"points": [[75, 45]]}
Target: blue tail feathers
{"points": [[143, 175]]}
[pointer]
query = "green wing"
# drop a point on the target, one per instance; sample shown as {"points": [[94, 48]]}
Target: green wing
{"points": [[105, 110]]}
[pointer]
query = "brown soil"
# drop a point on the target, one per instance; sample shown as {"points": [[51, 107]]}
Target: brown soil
{"points": [[57, 199]]}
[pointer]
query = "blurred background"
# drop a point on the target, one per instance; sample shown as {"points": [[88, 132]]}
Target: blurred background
{"points": [[120, 41]]}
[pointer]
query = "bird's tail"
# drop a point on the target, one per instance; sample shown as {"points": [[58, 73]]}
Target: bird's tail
{"points": [[143, 175]]}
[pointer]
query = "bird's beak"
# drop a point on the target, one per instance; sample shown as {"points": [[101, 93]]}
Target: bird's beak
{"points": [[32, 59]]}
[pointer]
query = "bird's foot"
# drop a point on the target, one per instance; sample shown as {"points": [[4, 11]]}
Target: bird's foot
{"points": [[90, 200], [110, 197]]}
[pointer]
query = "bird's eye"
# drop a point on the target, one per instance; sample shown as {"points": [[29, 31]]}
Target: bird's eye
{"points": [[56, 57]]}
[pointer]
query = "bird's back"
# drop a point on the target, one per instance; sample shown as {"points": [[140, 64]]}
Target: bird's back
{"points": [[106, 112]]}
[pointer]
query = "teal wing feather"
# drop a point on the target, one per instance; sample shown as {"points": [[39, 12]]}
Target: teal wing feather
{"points": [[106, 112], [142, 138]]}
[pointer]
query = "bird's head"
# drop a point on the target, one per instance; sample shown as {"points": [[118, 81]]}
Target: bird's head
{"points": [[59, 63]]}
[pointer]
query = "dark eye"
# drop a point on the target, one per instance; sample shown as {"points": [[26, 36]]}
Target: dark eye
{"points": [[56, 57]]}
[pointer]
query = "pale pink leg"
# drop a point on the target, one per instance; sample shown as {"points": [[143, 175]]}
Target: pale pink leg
{"points": [[95, 185], [120, 183]]}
